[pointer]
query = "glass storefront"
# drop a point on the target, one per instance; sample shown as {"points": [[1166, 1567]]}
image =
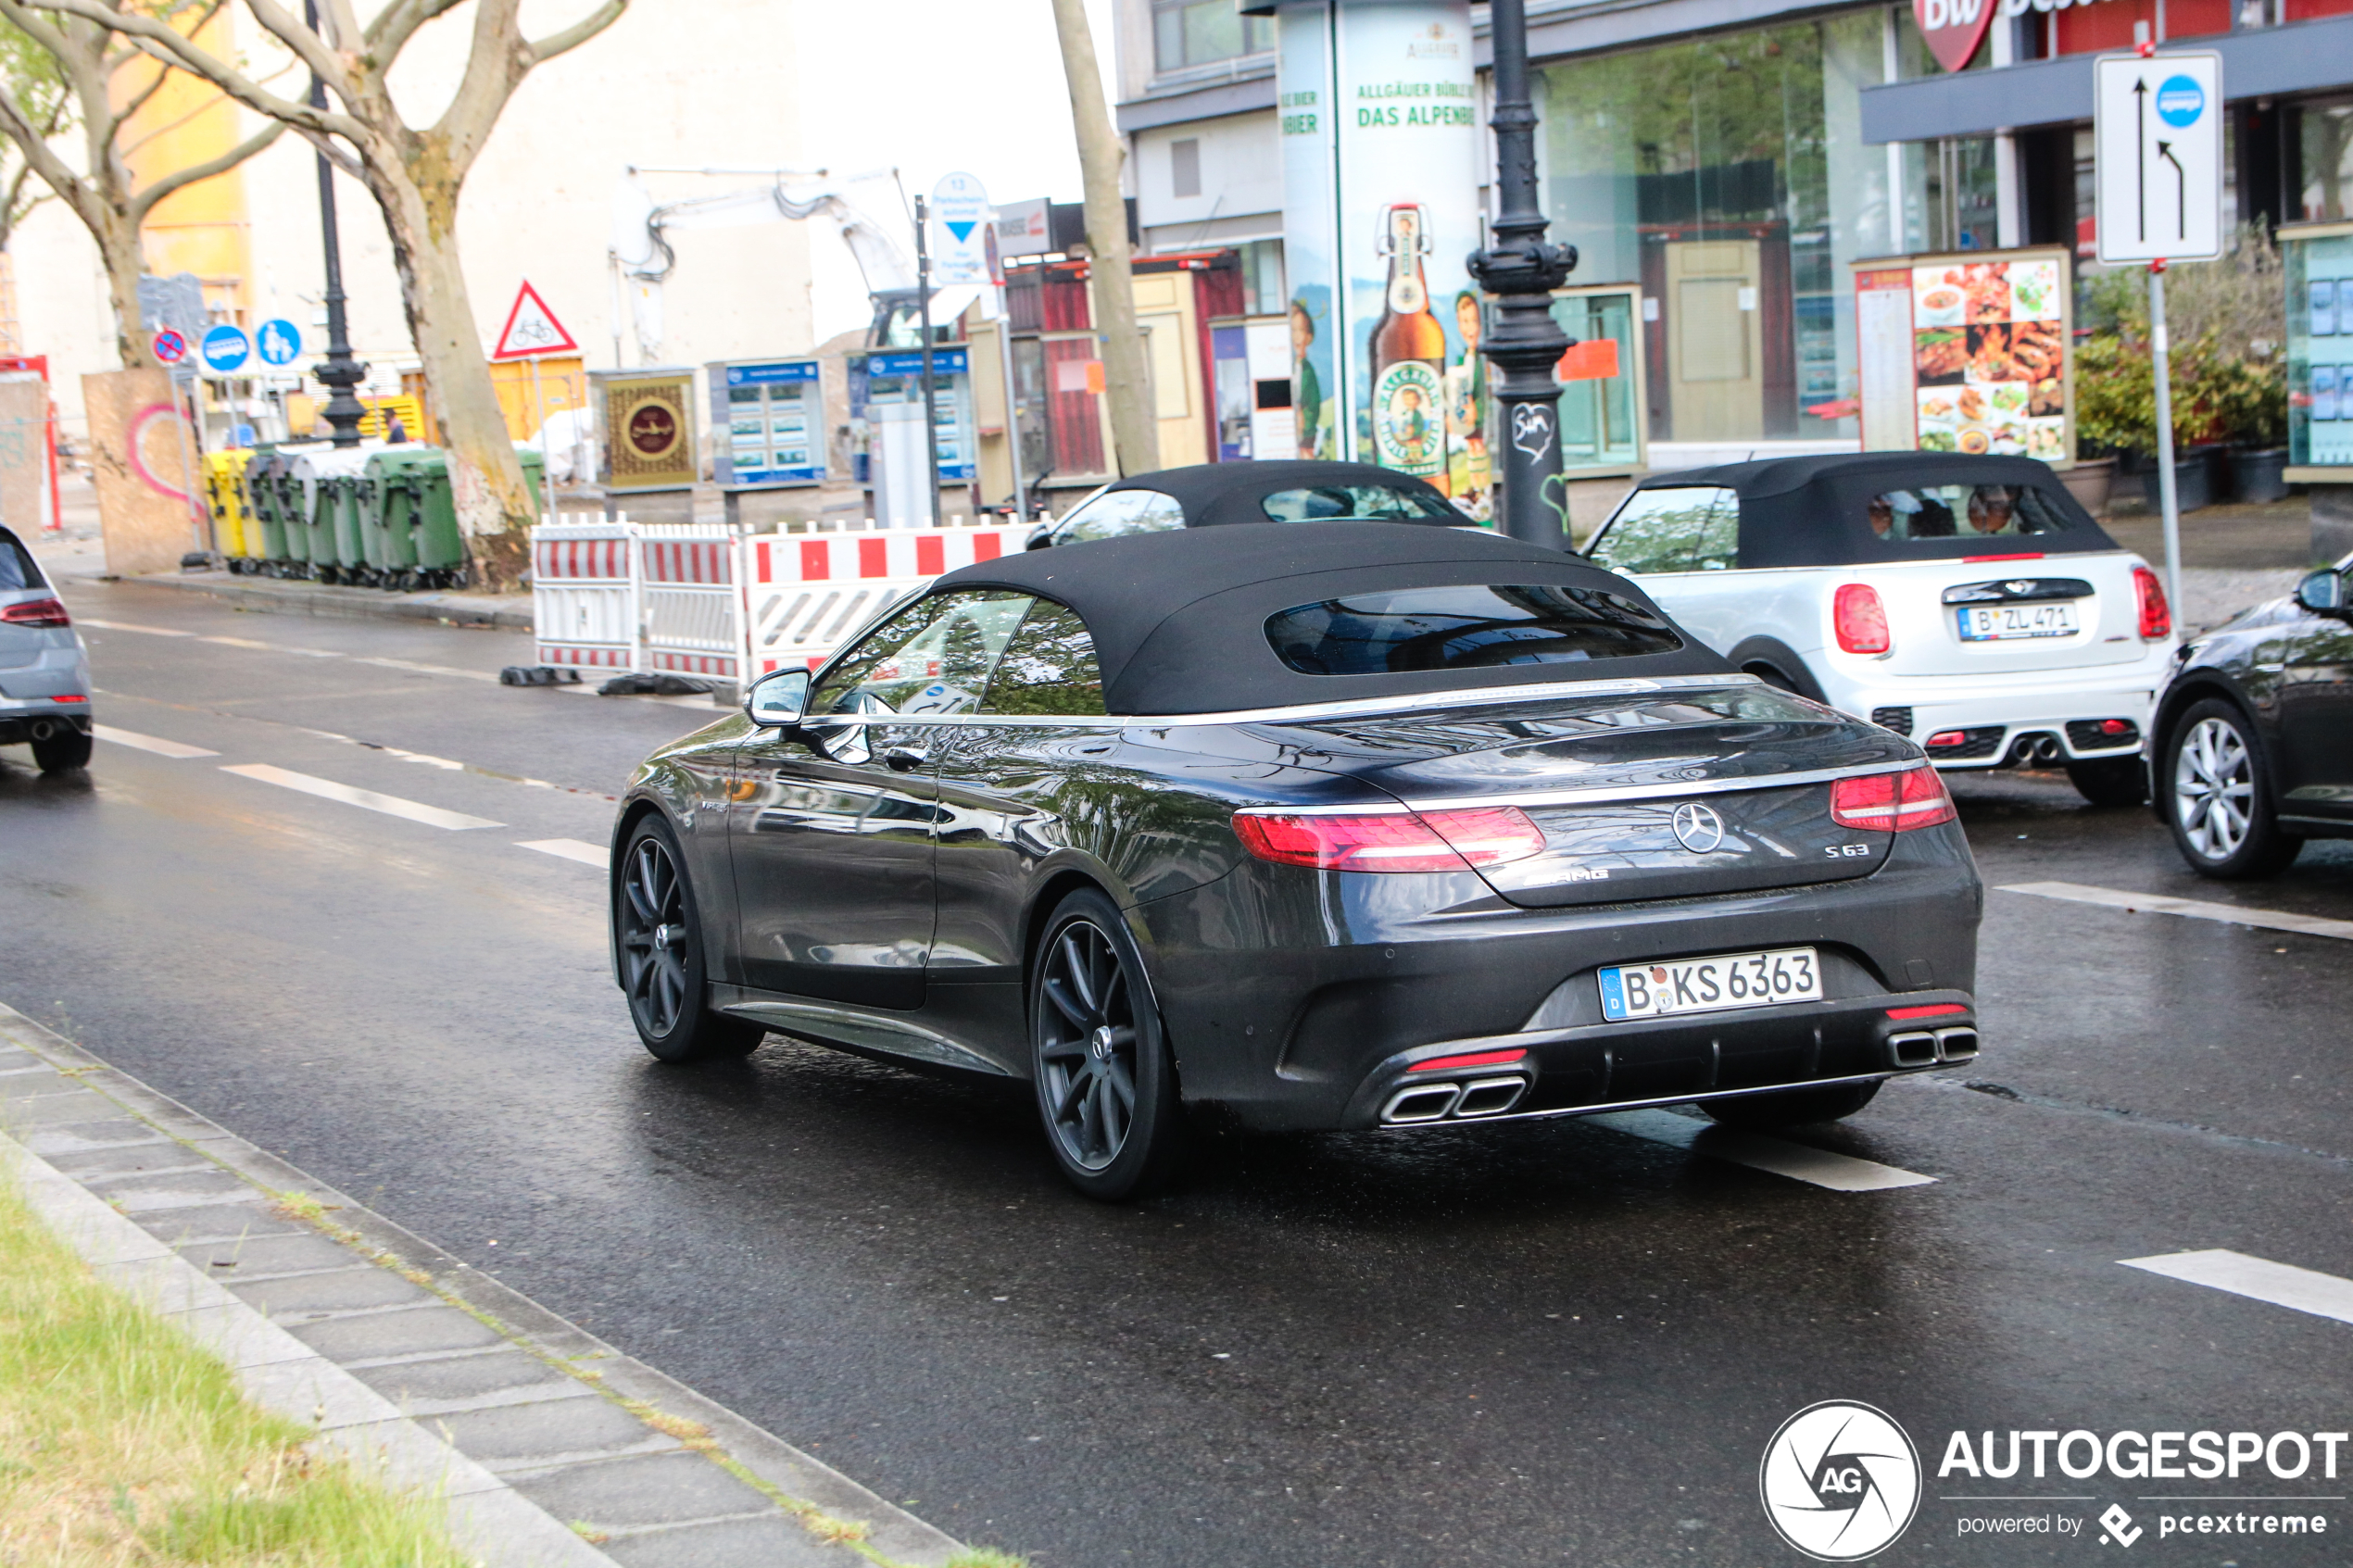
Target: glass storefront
{"points": [[2325, 130], [1727, 177]]}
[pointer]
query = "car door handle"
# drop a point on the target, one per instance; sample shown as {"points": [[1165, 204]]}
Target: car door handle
{"points": [[905, 759]]}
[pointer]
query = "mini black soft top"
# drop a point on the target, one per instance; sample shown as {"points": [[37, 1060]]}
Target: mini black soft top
{"points": [[1213, 494], [1179, 619], [1816, 511]]}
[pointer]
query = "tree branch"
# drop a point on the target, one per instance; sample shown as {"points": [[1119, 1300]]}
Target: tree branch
{"points": [[37, 29], [144, 203], [307, 46], [334, 153], [138, 100], [496, 63], [394, 24], [38, 156], [579, 32], [163, 42]]}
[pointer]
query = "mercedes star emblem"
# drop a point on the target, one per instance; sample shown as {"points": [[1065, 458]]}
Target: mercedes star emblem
{"points": [[1698, 828]]}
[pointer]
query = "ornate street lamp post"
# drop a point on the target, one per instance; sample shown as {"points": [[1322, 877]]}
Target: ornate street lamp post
{"points": [[340, 372], [1521, 270]]}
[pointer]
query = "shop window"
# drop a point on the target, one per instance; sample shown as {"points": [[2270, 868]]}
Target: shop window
{"points": [[2325, 130], [1184, 166], [1201, 32]]}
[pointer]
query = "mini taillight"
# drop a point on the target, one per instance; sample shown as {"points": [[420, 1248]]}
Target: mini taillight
{"points": [[1859, 618], [35, 612], [1948, 737], [1934, 1009], [1392, 841], [1892, 802], [2156, 616]]}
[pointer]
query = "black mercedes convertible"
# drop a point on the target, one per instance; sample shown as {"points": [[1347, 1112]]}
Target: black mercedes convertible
{"points": [[1334, 825]]}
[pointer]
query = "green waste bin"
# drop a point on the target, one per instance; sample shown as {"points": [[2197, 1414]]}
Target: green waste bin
{"points": [[261, 502], [416, 516], [328, 480]]}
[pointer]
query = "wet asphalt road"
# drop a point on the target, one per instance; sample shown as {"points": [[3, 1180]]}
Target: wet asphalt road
{"points": [[1545, 1343]]}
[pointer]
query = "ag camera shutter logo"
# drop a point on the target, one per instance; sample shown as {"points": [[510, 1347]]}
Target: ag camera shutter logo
{"points": [[1840, 1481]]}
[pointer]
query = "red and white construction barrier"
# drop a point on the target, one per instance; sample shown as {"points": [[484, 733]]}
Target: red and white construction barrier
{"points": [[584, 595]]}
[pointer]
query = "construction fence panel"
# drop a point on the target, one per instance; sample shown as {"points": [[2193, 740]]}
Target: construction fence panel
{"points": [[584, 595], [803, 623], [692, 611]]}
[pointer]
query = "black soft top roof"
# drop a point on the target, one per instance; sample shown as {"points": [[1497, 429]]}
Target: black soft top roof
{"points": [[1179, 619], [1213, 494], [1814, 511]]}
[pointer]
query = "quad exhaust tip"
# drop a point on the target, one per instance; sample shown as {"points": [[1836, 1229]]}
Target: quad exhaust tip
{"points": [[1957, 1044], [1922, 1048], [1440, 1102]]}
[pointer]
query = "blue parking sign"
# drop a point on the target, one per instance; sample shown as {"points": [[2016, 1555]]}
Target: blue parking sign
{"points": [[224, 348], [278, 342]]}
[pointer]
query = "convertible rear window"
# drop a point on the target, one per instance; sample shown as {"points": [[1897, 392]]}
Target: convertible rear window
{"points": [[1474, 626], [1376, 503], [1682, 527], [1964, 511], [1116, 513]]}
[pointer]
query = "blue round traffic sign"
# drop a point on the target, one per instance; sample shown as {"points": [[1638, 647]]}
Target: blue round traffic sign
{"points": [[225, 348], [169, 346], [278, 342], [2180, 101]]}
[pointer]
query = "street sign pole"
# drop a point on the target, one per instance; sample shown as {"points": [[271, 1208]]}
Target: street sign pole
{"points": [[2169, 503], [931, 416]]}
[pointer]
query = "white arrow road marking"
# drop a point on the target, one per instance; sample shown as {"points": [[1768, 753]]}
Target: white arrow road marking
{"points": [[1840, 1173], [568, 849], [149, 743], [390, 805], [2192, 908], [2282, 1285]]}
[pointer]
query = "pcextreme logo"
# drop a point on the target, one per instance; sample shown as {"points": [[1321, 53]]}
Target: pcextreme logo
{"points": [[1841, 1481]]}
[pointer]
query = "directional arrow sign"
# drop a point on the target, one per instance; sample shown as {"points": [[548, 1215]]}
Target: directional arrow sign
{"points": [[959, 248], [2158, 140]]}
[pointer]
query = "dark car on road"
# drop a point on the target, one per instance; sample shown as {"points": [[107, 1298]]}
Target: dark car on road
{"points": [[1214, 495], [44, 674], [2252, 749], [1337, 825]]}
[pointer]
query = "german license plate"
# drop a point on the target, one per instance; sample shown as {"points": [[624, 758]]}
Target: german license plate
{"points": [[1997, 623], [1712, 984]]}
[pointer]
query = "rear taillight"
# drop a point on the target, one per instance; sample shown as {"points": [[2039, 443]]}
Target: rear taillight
{"points": [[35, 612], [1892, 802], [1392, 841], [2156, 616], [1859, 618]]}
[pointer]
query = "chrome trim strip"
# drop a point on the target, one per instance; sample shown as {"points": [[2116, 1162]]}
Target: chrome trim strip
{"points": [[893, 1037], [1587, 796], [1672, 1099], [1477, 697]]}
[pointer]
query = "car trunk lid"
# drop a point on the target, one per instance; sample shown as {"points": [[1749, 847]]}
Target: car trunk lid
{"points": [[2014, 596], [1663, 794]]}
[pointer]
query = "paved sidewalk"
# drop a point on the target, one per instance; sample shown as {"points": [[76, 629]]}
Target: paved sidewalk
{"points": [[552, 1448]]}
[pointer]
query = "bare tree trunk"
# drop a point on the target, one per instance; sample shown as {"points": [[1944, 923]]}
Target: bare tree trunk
{"points": [[494, 512], [1135, 427], [117, 240]]}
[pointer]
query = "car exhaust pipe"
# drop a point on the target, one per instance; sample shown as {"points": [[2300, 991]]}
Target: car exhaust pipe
{"points": [[1421, 1102], [1957, 1044], [1915, 1047], [42, 729], [1490, 1096], [2037, 751]]}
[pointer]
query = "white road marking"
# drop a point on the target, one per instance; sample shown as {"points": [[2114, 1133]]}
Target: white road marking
{"points": [[2282, 1285], [126, 626], [149, 743], [1840, 1173], [2192, 908], [390, 805], [570, 849], [413, 666]]}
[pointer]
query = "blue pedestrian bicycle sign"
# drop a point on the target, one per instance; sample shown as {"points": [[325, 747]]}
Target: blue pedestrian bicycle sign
{"points": [[278, 342], [225, 349]]}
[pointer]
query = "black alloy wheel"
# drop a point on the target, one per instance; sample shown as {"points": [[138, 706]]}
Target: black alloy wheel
{"points": [[2217, 789], [655, 927], [1793, 1108], [1106, 1083]]}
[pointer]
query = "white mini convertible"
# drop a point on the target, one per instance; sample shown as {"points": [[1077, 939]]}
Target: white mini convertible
{"points": [[1969, 603]]}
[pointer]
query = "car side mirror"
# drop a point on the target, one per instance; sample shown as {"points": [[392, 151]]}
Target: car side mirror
{"points": [[2322, 593], [1041, 537], [777, 698]]}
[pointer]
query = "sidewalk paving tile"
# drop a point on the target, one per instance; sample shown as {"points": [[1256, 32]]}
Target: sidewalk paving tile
{"points": [[772, 1542], [232, 1261], [373, 1334], [116, 1132], [453, 1379], [507, 1530], [215, 1221], [241, 1337], [405, 1457], [549, 1431], [63, 1108], [164, 1284], [317, 1391], [167, 1156], [138, 1192], [353, 1289], [624, 1494]]}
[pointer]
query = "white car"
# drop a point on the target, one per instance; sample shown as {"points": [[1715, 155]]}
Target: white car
{"points": [[1967, 602]]}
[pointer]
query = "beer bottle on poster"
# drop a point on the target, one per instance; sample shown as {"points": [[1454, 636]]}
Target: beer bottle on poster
{"points": [[1409, 356]]}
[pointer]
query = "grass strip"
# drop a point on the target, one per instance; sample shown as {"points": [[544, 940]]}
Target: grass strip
{"points": [[122, 1442]]}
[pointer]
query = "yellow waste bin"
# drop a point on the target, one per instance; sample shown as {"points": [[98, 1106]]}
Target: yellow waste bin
{"points": [[235, 532]]}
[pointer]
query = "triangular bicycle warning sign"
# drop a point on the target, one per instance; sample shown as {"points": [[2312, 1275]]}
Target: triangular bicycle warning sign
{"points": [[531, 329]]}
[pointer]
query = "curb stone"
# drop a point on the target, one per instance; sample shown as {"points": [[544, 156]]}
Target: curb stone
{"points": [[540, 1437], [502, 613]]}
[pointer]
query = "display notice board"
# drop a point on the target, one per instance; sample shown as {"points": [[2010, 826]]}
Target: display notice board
{"points": [[2318, 263], [1967, 353], [649, 422], [771, 423]]}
